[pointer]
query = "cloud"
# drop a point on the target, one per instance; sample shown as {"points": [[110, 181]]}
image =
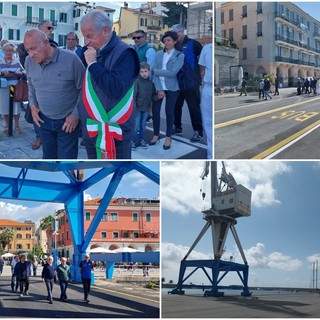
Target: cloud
{"points": [[181, 186], [18, 212]]}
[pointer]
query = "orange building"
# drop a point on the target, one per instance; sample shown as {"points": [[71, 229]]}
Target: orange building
{"points": [[24, 239], [127, 222]]}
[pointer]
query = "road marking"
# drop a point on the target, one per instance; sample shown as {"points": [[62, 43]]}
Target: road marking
{"points": [[125, 294], [282, 145], [258, 115]]}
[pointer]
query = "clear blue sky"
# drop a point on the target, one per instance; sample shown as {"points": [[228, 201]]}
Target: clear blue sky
{"points": [[312, 8], [280, 238], [133, 184]]}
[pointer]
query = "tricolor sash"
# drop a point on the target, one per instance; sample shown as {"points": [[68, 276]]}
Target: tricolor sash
{"points": [[105, 125]]}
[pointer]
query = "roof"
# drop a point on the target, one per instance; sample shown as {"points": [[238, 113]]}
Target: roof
{"points": [[8, 223]]}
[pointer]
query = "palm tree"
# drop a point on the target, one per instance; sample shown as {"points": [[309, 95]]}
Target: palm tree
{"points": [[46, 223], [6, 237]]}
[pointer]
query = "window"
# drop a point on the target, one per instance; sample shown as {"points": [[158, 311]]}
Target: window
{"points": [[231, 200], [113, 216], [105, 217], [63, 17], [244, 11], [29, 13], [244, 53], [18, 228], [222, 17], [1, 8], [28, 236], [28, 246], [136, 235], [53, 16], [148, 217], [115, 234], [103, 234], [19, 246], [14, 10], [41, 14], [231, 34], [244, 32], [135, 216], [76, 26], [76, 13], [19, 236], [259, 29], [259, 50], [126, 234], [28, 228], [87, 216], [259, 7], [143, 22], [231, 15]]}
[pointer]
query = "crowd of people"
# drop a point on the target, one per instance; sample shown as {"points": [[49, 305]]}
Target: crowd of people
{"points": [[21, 270], [106, 91]]}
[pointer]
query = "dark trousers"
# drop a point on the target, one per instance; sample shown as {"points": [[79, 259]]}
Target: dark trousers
{"points": [[192, 97], [14, 283], [63, 289], [57, 144], [49, 285], [24, 283], [171, 99], [86, 287]]}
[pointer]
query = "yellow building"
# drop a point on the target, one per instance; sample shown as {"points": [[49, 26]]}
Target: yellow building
{"points": [[23, 239], [143, 18]]}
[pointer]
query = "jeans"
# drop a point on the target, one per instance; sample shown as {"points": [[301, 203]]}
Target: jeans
{"points": [[22, 282], [63, 289], [57, 144], [86, 287], [192, 98], [141, 122], [171, 98], [49, 285]]}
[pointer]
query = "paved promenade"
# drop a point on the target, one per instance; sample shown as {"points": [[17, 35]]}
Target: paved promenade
{"points": [[295, 305], [107, 300]]}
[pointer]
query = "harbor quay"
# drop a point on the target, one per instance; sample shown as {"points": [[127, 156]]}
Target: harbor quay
{"points": [[271, 305]]}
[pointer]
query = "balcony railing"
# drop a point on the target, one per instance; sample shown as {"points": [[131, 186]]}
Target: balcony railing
{"points": [[295, 43], [285, 18], [32, 20], [153, 28], [294, 61]]}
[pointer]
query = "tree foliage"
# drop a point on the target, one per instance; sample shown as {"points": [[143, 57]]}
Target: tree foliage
{"points": [[46, 223], [6, 237], [176, 13]]}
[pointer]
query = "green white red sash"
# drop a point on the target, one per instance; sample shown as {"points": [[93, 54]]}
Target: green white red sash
{"points": [[105, 125]]}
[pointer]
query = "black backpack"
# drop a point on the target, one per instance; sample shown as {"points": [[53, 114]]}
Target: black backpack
{"points": [[187, 78]]}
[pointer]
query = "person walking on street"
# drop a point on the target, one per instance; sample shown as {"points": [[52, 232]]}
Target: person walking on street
{"points": [[49, 277], [261, 92], [14, 279], [276, 86], [243, 87], [34, 267], [266, 89], [64, 276], [22, 271], [86, 267], [1, 265]]}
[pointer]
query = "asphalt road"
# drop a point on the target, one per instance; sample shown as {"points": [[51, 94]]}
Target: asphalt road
{"points": [[105, 302], [286, 127]]}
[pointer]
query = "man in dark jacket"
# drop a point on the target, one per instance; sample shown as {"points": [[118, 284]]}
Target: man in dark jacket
{"points": [[192, 50], [106, 108], [22, 271]]}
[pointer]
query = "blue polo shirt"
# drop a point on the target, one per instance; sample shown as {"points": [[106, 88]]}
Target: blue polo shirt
{"points": [[86, 268]]}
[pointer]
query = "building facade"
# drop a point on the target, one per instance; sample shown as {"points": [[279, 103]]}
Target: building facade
{"points": [[148, 18], [275, 38], [127, 222], [16, 18], [24, 235]]}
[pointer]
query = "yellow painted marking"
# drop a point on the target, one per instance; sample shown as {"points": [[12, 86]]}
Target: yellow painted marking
{"points": [[282, 143], [125, 294], [258, 115], [296, 115]]}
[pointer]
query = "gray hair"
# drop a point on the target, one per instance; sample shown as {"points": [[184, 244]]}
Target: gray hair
{"points": [[99, 19], [43, 22], [177, 28]]}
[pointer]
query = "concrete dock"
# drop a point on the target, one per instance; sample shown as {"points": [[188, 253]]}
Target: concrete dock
{"points": [[291, 305]]}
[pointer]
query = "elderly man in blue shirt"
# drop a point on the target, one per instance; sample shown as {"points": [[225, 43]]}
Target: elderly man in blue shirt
{"points": [[86, 267]]}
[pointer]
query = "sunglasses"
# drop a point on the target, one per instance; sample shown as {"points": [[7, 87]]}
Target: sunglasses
{"points": [[134, 38], [50, 28]]}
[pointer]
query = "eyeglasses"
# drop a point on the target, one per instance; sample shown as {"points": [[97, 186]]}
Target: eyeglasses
{"points": [[134, 38], [50, 28]]}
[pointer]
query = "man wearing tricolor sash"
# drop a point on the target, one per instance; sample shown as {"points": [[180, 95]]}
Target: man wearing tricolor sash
{"points": [[106, 107]]}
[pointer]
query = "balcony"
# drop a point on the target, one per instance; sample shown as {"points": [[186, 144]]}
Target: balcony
{"points": [[33, 21], [294, 61], [295, 43], [316, 35], [154, 28], [281, 17]]}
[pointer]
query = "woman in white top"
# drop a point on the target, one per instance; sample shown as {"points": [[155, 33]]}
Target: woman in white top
{"points": [[168, 62], [11, 70]]}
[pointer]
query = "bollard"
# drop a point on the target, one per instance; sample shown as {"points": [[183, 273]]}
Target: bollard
{"points": [[11, 100]]}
